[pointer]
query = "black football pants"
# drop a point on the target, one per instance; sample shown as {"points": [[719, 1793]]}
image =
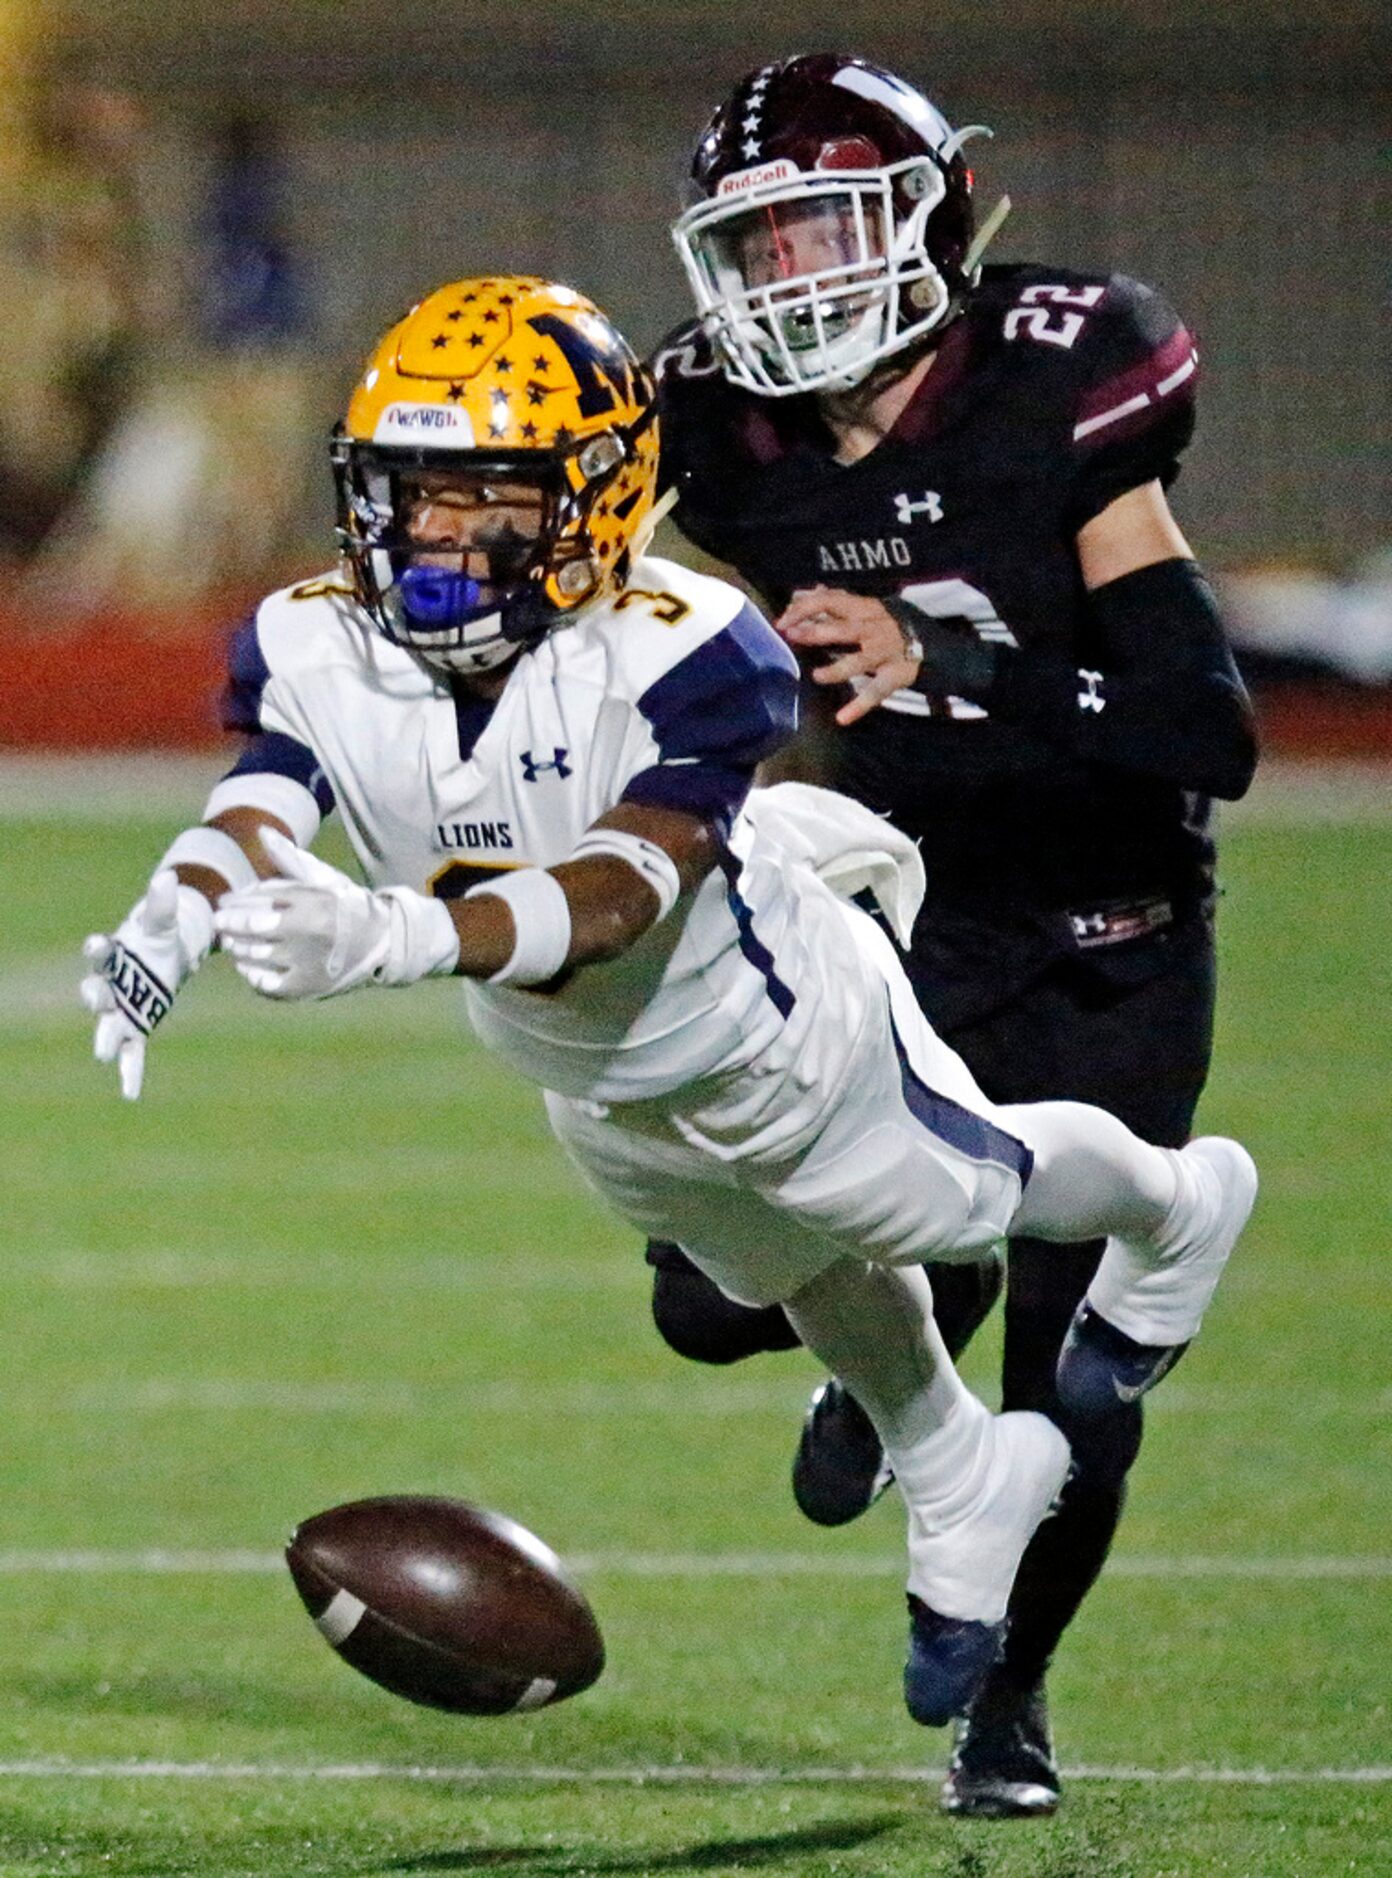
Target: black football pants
{"points": [[1138, 1046], [1129, 1029]]}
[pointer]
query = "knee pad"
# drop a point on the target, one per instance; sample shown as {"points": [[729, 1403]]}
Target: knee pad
{"points": [[695, 1318]]}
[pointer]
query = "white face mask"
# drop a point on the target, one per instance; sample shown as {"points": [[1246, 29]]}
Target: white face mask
{"points": [[807, 283]]}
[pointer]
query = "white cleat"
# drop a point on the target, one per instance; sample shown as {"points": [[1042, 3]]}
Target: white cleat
{"points": [[960, 1575]]}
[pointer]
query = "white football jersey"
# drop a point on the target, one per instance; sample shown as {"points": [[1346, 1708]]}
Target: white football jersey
{"points": [[668, 694]]}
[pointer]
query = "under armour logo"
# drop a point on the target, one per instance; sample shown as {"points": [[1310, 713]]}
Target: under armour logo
{"points": [[906, 510], [1086, 925], [531, 769], [1091, 699]]}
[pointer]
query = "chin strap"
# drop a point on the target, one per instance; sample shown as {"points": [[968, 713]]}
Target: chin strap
{"points": [[984, 236]]}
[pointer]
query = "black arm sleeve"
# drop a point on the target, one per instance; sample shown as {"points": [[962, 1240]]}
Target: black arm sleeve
{"points": [[1160, 694], [1164, 696]]}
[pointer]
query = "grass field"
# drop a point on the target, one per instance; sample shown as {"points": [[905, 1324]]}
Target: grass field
{"points": [[332, 1253]]}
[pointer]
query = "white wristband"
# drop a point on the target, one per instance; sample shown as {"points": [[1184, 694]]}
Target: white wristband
{"points": [[289, 801], [214, 849], [646, 858], [422, 941], [195, 917], [541, 916]]}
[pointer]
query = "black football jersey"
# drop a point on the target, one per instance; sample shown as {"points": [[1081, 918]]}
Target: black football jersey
{"points": [[1055, 392]]}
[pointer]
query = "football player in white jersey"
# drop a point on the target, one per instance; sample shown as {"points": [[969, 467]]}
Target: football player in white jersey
{"points": [[542, 744]]}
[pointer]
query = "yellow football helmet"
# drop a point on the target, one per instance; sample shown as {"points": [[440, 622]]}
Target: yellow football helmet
{"points": [[508, 379]]}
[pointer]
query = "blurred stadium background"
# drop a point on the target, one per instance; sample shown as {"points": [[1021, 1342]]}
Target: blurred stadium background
{"points": [[335, 1254], [207, 212]]}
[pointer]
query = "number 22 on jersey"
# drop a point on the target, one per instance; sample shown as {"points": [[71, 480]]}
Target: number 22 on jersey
{"points": [[1030, 320]]}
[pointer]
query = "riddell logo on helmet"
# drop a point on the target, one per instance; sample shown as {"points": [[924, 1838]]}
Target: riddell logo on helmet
{"points": [[782, 171], [404, 423]]}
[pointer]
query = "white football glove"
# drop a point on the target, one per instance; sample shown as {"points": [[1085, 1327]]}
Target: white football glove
{"points": [[139, 968], [313, 932]]}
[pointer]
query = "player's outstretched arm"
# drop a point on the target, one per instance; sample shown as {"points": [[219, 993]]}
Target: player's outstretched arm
{"points": [[136, 972], [314, 933]]}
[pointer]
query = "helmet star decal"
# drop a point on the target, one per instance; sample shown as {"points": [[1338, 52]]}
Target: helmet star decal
{"points": [[836, 226]]}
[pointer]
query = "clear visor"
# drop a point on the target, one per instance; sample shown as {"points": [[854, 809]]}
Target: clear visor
{"points": [[832, 237], [807, 264], [451, 550], [480, 526]]}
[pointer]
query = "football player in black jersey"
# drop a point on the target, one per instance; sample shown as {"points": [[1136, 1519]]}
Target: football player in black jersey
{"points": [[948, 484]]}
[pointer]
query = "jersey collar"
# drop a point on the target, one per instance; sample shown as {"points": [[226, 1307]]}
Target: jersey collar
{"points": [[925, 413]]}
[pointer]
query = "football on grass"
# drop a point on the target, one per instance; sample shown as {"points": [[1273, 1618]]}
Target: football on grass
{"points": [[446, 1604]]}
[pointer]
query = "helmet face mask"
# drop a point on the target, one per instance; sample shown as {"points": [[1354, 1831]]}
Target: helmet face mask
{"points": [[873, 177], [800, 314], [485, 497], [463, 606]]}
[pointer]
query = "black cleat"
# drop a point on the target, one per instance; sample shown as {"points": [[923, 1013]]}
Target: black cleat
{"points": [[1003, 1764], [696, 1319], [1101, 1369], [839, 1470], [949, 1658]]}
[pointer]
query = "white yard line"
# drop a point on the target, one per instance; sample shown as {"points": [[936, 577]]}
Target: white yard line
{"points": [[681, 1775], [626, 1400], [1306, 795], [236, 1562], [288, 1272], [698, 1395], [293, 1270], [150, 787], [40, 989]]}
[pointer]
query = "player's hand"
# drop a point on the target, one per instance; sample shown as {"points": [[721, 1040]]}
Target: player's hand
{"points": [[879, 656], [314, 933], [138, 971]]}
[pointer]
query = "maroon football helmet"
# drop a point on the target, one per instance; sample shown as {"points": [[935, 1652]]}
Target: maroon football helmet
{"points": [[834, 225]]}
